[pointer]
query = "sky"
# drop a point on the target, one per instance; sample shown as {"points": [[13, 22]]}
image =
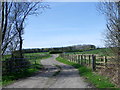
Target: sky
{"points": [[65, 24]]}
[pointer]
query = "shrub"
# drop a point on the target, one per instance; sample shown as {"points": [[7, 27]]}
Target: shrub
{"points": [[15, 65]]}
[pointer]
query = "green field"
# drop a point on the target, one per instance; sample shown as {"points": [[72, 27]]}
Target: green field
{"points": [[101, 52]]}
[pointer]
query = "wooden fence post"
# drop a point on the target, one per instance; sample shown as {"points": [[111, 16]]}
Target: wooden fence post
{"points": [[71, 58], [89, 60], [84, 60], [74, 58], [81, 59], [102, 58], [105, 60], [78, 59], [68, 57], [93, 62]]}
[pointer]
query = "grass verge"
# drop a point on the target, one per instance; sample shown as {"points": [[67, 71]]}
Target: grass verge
{"points": [[36, 66], [95, 79]]}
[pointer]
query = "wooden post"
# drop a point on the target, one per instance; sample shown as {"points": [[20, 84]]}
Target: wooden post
{"points": [[81, 59], [93, 62], [89, 60], [105, 60], [78, 59], [67, 57], [102, 58], [71, 58], [84, 59], [74, 58]]}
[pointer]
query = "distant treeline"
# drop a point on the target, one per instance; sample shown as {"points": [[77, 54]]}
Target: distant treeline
{"points": [[76, 48]]}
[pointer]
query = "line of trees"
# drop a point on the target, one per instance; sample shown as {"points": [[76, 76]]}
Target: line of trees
{"points": [[13, 18], [76, 48]]}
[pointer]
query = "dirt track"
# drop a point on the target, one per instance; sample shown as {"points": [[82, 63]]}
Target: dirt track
{"points": [[68, 77]]}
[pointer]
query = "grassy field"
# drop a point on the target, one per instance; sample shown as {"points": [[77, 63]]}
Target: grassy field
{"points": [[34, 59], [95, 79], [101, 52]]}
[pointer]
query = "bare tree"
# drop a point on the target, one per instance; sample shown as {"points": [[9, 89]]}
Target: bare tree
{"points": [[22, 11], [111, 10], [7, 25], [14, 15], [0, 31]]}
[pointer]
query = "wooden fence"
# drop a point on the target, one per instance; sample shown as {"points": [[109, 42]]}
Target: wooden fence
{"points": [[15, 65], [92, 60]]}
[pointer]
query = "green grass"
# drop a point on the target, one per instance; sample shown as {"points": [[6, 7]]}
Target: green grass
{"points": [[35, 57], [95, 79], [36, 53], [36, 66], [8, 79], [101, 52]]}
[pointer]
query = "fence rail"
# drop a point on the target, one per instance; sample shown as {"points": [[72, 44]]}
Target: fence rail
{"points": [[92, 60], [16, 65]]}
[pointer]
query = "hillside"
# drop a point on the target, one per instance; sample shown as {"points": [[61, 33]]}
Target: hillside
{"points": [[101, 51]]}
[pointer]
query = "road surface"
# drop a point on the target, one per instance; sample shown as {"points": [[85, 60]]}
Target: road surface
{"points": [[55, 75]]}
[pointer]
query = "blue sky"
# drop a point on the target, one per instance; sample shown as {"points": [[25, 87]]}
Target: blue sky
{"points": [[65, 24]]}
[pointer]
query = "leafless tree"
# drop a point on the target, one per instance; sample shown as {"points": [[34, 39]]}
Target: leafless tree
{"points": [[0, 21], [14, 15], [111, 10]]}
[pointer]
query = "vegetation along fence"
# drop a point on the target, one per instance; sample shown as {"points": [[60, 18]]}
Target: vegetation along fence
{"points": [[92, 60], [14, 65], [18, 65]]}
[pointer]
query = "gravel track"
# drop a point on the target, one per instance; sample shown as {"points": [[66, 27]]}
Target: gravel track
{"points": [[68, 77]]}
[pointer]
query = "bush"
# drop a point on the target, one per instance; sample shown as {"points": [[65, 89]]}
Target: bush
{"points": [[15, 65]]}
